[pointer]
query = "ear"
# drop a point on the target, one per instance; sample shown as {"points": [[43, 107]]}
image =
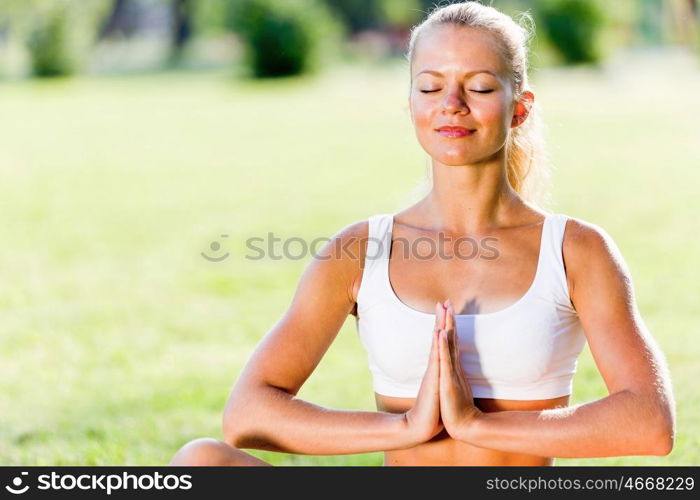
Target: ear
{"points": [[522, 108]]}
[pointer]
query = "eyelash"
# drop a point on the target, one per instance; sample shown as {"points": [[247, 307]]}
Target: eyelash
{"points": [[477, 91]]}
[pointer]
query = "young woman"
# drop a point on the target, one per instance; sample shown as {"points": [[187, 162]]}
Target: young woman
{"points": [[491, 385]]}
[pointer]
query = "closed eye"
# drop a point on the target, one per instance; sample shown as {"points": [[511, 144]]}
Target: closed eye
{"points": [[477, 91]]}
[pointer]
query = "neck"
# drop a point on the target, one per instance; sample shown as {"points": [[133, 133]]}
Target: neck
{"points": [[469, 199]]}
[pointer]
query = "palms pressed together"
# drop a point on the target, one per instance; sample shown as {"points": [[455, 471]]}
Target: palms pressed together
{"points": [[444, 399]]}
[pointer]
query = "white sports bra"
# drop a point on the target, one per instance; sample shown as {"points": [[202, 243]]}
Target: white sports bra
{"points": [[526, 351]]}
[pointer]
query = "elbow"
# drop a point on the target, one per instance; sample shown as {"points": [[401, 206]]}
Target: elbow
{"points": [[666, 448], [656, 411], [663, 433], [233, 434], [665, 439], [234, 425], [245, 421]]}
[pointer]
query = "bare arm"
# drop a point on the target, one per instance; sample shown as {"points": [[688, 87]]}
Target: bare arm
{"points": [[638, 416], [263, 411]]}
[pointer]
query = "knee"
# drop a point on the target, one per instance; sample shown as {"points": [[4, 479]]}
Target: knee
{"points": [[206, 451]]}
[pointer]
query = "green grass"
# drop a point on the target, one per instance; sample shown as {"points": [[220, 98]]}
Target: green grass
{"points": [[120, 343]]}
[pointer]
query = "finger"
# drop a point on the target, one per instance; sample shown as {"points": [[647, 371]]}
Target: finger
{"points": [[446, 372], [433, 369], [431, 378], [435, 342], [438, 310], [435, 355], [434, 349], [450, 328], [449, 315], [444, 363], [441, 316], [444, 353], [453, 341]]}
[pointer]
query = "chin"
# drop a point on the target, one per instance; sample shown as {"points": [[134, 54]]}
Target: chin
{"points": [[456, 159]]}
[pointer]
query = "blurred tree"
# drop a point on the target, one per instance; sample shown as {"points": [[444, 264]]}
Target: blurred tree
{"points": [[181, 32], [358, 15], [48, 46], [400, 13], [57, 33], [126, 19], [428, 5], [283, 38], [573, 27], [122, 20], [182, 23], [210, 17]]}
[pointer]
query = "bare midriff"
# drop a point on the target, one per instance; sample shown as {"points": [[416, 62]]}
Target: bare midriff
{"points": [[444, 450]]}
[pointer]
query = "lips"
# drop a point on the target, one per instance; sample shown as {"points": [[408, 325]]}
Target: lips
{"points": [[449, 131]]}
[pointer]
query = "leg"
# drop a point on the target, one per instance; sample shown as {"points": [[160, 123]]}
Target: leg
{"points": [[209, 451]]}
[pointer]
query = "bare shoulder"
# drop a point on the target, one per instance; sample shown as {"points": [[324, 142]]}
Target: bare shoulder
{"points": [[588, 248], [351, 236], [348, 247], [583, 240]]}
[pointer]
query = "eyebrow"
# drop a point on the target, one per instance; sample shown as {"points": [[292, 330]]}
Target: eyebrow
{"points": [[437, 73]]}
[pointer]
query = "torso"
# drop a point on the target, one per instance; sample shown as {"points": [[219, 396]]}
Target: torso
{"points": [[475, 286]]}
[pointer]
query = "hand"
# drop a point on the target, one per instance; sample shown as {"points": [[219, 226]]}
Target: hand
{"points": [[424, 417], [456, 401]]}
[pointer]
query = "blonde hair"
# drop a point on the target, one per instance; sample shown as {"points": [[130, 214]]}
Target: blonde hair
{"points": [[527, 164]]}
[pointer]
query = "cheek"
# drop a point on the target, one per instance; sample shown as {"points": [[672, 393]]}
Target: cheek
{"points": [[492, 112], [423, 120], [420, 112]]}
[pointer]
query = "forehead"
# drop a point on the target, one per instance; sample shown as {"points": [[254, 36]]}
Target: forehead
{"points": [[457, 48]]}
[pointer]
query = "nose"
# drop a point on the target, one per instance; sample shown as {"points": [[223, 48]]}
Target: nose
{"points": [[454, 102]]}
